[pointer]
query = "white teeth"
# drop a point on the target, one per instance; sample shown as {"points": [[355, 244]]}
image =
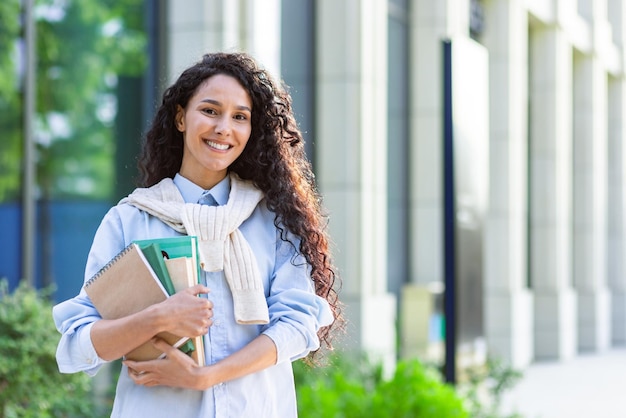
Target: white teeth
{"points": [[222, 147]]}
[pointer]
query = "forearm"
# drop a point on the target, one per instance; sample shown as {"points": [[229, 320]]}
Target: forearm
{"points": [[114, 338], [184, 314], [260, 354]]}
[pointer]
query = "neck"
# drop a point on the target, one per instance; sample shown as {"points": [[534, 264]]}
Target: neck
{"points": [[206, 182]]}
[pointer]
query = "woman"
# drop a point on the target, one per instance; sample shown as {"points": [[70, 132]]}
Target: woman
{"points": [[224, 133]]}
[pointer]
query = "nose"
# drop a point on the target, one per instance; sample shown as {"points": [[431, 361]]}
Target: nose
{"points": [[223, 125]]}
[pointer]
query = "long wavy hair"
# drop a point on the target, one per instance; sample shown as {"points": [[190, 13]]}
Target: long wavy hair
{"points": [[273, 159]]}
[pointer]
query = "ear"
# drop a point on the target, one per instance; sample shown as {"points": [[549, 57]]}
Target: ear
{"points": [[180, 118]]}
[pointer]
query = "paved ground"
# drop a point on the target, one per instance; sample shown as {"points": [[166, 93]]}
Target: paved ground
{"points": [[588, 386]]}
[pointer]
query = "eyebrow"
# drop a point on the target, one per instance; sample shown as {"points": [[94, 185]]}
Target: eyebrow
{"points": [[215, 102]]}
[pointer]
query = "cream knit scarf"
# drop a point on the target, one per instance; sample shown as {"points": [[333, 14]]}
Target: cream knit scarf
{"points": [[220, 243]]}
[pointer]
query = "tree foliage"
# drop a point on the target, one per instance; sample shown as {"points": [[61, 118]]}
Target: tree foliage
{"points": [[82, 47], [10, 149]]}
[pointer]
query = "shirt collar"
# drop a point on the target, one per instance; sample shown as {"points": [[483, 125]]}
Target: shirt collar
{"points": [[191, 192]]}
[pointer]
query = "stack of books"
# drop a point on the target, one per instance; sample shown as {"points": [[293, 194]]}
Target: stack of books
{"points": [[144, 273]]}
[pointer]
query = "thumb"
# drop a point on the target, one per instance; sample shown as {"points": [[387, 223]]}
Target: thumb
{"points": [[168, 350], [161, 345]]}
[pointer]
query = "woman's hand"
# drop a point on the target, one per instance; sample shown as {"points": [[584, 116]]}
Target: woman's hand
{"points": [[175, 370], [179, 370], [186, 314]]}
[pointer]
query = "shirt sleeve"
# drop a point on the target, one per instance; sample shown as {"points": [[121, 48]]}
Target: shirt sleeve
{"points": [[296, 312], [75, 317]]}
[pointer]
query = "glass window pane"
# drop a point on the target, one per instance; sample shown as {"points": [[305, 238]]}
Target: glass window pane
{"points": [[90, 65], [298, 64], [91, 58], [84, 49]]}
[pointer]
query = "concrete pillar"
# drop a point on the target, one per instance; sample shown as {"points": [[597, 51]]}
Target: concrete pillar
{"points": [[617, 182], [616, 268], [508, 302], [198, 28], [431, 23], [223, 25], [551, 193], [590, 203], [351, 155]]}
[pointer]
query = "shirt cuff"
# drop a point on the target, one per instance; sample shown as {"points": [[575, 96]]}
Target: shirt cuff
{"points": [[289, 346], [90, 355], [87, 359]]}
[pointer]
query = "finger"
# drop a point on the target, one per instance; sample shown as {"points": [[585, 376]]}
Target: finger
{"points": [[198, 289], [163, 346], [204, 329], [141, 379], [133, 366], [136, 368], [138, 377]]}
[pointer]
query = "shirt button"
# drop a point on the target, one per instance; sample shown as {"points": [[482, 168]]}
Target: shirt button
{"points": [[217, 323]]}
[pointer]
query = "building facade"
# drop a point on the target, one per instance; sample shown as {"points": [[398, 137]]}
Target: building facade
{"points": [[367, 77]]}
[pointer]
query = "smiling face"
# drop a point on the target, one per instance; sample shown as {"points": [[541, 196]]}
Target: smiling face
{"points": [[216, 125]]}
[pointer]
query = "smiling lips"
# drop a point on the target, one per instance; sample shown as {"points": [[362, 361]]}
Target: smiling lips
{"points": [[221, 147]]}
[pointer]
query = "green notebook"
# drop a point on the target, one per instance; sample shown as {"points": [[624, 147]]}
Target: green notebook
{"points": [[153, 254], [175, 247]]}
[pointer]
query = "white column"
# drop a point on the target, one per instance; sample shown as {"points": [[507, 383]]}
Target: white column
{"points": [[194, 30], [508, 303], [617, 208], [197, 27], [617, 182], [590, 202], [551, 193], [261, 32], [351, 162], [431, 23]]}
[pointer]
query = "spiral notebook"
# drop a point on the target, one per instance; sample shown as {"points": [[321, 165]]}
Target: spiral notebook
{"points": [[126, 285]]}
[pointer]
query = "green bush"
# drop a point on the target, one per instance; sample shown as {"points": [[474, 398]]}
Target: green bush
{"points": [[30, 383], [484, 386], [356, 389]]}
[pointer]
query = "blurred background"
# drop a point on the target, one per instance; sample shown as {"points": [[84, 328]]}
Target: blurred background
{"points": [[471, 154]]}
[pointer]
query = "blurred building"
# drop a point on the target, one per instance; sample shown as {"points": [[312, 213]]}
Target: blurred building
{"points": [[540, 237]]}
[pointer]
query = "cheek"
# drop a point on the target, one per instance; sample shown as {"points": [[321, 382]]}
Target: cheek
{"points": [[244, 145], [189, 145], [243, 135]]}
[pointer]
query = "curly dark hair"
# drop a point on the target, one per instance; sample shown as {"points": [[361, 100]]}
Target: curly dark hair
{"points": [[273, 159]]}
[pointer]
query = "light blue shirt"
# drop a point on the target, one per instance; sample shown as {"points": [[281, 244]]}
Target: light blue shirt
{"points": [[295, 312]]}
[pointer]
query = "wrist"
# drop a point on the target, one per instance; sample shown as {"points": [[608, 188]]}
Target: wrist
{"points": [[155, 320], [205, 377]]}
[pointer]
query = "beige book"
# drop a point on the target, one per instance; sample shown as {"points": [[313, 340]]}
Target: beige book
{"points": [[127, 285], [183, 273]]}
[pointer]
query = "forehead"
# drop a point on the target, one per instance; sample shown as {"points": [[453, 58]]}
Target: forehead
{"points": [[222, 87]]}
